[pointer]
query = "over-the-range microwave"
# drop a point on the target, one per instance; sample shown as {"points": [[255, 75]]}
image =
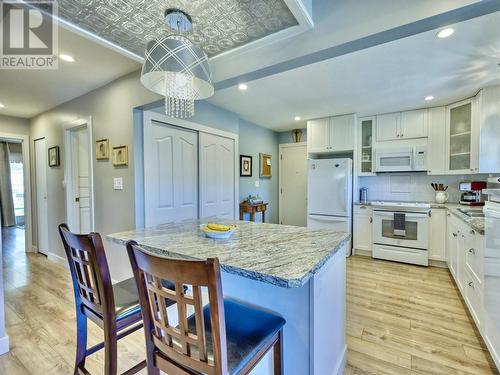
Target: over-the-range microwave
{"points": [[401, 159]]}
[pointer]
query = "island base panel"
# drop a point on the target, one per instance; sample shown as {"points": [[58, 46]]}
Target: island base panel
{"points": [[314, 334]]}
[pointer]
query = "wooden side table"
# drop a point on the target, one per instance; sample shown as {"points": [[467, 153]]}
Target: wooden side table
{"points": [[252, 209]]}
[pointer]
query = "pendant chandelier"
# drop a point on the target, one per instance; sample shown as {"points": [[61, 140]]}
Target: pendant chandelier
{"points": [[176, 68]]}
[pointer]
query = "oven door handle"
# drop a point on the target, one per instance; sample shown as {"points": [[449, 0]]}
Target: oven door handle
{"points": [[407, 214]]}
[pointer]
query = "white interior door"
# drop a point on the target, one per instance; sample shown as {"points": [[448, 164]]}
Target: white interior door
{"points": [[170, 173], [42, 231], [293, 189], [81, 199], [217, 178]]}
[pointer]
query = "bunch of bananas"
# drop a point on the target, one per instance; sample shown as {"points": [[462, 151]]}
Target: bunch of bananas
{"points": [[217, 228]]}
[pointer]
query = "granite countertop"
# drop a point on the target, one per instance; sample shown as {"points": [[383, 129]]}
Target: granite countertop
{"points": [[476, 223], [283, 255]]}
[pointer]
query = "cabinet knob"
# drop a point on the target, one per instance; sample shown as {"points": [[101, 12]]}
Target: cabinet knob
{"points": [[371, 220], [472, 232], [471, 284], [402, 134], [455, 235], [472, 251]]}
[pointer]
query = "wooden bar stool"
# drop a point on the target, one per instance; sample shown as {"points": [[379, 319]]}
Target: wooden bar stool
{"points": [[114, 308], [224, 338]]}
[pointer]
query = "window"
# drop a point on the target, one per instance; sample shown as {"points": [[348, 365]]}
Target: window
{"points": [[17, 181]]}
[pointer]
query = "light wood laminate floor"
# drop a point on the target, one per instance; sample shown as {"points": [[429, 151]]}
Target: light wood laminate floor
{"points": [[404, 319], [401, 320]]}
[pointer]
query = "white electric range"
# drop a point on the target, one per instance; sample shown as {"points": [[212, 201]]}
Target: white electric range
{"points": [[401, 231]]}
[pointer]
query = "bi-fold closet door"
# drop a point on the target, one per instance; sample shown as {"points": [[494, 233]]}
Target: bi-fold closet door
{"points": [[217, 177], [187, 174]]}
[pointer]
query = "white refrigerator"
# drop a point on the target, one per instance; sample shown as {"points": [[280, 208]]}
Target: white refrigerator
{"points": [[329, 195]]}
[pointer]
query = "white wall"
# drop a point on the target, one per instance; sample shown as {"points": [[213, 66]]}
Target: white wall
{"points": [[411, 186], [14, 125], [111, 109]]}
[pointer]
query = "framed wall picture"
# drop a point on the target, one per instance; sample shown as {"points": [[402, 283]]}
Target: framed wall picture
{"points": [[102, 149], [120, 156], [54, 159], [245, 166], [265, 166]]}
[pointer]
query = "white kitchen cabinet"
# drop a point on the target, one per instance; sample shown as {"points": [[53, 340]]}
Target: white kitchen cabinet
{"points": [[488, 103], [437, 234], [413, 124], [473, 297], [362, 228], [318, 135], [388, 126], [332, 134], [462, 143], [436, 145], [342, 133], [402, 125], [452, 233], [366, 127]]}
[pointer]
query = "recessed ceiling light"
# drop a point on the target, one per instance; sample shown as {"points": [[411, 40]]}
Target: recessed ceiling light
{"points": [[430, 97], [445, 33], [67, 58], [242, 86], [2, 105], [297, 118]]}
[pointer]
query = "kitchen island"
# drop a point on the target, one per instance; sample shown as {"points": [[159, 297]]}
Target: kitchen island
{"points": [[296, 272]]}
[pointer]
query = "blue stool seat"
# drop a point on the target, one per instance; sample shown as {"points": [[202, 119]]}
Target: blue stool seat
{"points": [[247, 330]]}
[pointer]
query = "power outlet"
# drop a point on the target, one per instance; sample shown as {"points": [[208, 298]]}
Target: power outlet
{"points": [[118, 183]]}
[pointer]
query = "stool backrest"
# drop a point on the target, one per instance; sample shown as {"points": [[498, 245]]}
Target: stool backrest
{"points": [[89, 271], [184, 348]]}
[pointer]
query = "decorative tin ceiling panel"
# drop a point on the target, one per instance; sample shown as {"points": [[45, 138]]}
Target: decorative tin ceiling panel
{"points": [[218, 25]]}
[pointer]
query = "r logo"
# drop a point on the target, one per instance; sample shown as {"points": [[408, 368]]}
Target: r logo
{"points": [[28, 35]]}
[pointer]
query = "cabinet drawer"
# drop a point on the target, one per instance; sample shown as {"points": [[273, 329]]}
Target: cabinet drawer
{"points": [[474, 298], [474, 259]]}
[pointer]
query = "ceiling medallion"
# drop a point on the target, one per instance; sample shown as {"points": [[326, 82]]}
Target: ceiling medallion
{"points": [[176, 68]]}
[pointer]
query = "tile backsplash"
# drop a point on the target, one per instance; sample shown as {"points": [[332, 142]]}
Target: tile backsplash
{"points": [[412, 186]]}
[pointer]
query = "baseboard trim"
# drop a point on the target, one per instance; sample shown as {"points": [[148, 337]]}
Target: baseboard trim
{"points": [[342, 362], [57, 259], [4, 344], [438, 263], [364, 253]]}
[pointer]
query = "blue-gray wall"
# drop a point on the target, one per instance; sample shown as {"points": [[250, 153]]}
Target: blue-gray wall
{"points": [[286, 137], [254, 140]]}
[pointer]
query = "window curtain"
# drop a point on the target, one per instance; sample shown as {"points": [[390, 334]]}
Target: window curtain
{"points": [[6, 200]]}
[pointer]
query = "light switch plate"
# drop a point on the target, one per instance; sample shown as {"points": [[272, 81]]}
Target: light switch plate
{"points": [[257, 183], [118, 183]]}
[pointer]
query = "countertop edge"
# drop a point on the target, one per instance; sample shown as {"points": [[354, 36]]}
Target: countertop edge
{"points": [[257, 276]]}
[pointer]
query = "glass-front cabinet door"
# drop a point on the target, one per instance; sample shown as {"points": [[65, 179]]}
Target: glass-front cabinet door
{"points": [[460, 126], [366, 153]]}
